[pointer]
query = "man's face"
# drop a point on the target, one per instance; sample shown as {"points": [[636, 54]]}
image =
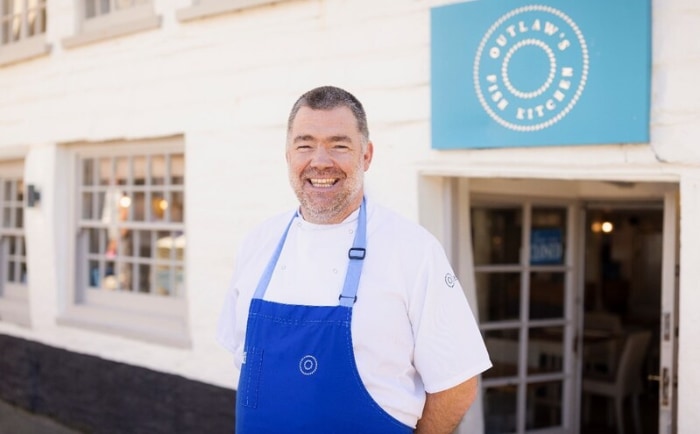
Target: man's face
{"points": [[326, 163]]}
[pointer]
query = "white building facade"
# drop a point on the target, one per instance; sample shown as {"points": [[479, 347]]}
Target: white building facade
{"points": [[140, 140]]}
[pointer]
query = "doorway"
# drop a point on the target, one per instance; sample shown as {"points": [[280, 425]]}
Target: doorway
{"points": [[621, 303], [549, 269]]}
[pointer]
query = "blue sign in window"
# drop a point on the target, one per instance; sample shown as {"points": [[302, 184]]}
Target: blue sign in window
{"points": [[555, 72], [546, 246]]}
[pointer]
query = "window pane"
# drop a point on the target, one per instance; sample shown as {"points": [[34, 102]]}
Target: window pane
{"points": [[159, 206], [500, 409], [19, 217], [142, 244], [19, 191], [7, 190], [139, 207], [96, 240], [87, 205], [503, 347], [545, 350], [123, 170], [11, 245], [105, 171], [144, 281], [94, 274], [544, 405], [499, 296], [177, 207], [548, 236], [11, 271], [22, 245], [125, 275], [497, 235], [177, 169], [88, 172], [140, 170], [23, 273], [7, 217], [158, 169], [546, 295]]}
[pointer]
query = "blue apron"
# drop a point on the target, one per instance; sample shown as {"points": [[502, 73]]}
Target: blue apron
{"points": [[299, 373]]}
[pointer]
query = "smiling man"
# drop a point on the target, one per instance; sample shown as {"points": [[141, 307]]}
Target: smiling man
{"points": [[343, 316]]}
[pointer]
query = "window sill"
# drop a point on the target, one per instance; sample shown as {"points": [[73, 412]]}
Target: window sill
{"points": [[27, 49], [112, 31], [207, 8], [170, 330]]}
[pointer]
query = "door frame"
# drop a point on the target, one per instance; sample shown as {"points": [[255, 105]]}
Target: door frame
{"points": [[453, 214]]}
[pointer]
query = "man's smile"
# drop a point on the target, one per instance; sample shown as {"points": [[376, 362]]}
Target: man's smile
{"points": [[323, 182]]}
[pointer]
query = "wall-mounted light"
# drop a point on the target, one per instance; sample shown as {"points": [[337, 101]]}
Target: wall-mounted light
{"points": [[33, 196]]}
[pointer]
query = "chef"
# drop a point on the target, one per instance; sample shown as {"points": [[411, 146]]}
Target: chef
{"points": [[344, 317]]}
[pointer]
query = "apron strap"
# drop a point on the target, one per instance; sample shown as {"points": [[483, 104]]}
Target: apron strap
{"points": [[356, 256]]}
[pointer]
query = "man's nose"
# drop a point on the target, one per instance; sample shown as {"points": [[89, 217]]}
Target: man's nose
{"points": [[321, 158]]}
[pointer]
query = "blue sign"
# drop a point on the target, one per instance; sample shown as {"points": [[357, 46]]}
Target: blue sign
{"points": [[555, 72], [546, 247]]}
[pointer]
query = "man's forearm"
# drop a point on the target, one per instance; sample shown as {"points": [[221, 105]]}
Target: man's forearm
{"points": [[444, 410]]}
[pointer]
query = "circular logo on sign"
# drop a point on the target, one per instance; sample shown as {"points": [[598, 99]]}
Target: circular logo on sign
{"points": [[450, 280], [308, 365], [531, 68]]}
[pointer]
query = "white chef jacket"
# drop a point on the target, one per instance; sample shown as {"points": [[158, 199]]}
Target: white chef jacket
{"points": [[413, 331]]}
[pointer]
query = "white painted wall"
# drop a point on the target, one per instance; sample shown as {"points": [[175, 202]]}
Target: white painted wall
{"points": [[227, 83]]}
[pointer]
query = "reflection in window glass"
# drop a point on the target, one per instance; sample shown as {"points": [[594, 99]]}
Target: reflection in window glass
{"points": [[139, 242], [498, 295], [546, 295], [500, 409], [545, 350], [544, 405], [503, 347], [499, 235]]}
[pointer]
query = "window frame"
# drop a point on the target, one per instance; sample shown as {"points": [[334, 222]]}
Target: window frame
{"points": [[116, 23], [146, 317], [26, 47], [207, 8], [14, 296]]}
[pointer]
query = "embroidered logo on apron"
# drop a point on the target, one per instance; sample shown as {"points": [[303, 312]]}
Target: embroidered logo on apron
{"points": [[308, 365]]}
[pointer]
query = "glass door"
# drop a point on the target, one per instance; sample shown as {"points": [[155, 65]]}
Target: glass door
{"points": [[523, 262]]}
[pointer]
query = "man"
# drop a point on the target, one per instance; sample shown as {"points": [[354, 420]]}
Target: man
{"points": [[343, 316]]}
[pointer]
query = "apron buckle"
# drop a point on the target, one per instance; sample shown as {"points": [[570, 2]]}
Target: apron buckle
{"points": [[356, 253]]}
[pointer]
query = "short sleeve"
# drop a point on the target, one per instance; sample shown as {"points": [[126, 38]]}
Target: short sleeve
{"points": [[449, 348]]}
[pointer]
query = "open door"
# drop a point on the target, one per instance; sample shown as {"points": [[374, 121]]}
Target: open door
{"points": [[524, 251], [668, 369]]}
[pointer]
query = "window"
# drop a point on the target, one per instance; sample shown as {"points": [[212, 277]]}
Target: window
{"points": [[206, 8], [22, 29], [14, 304], [104, 19], [130, 241]]}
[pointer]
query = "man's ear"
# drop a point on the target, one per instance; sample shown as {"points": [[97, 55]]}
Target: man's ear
{"points": [[367, 157]]}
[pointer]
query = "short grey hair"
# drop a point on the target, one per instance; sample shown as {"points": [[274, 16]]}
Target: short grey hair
{"points": [[328, 98]]}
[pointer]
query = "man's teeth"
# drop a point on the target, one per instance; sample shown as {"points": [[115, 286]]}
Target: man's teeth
{"points": [[326, 182]]}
